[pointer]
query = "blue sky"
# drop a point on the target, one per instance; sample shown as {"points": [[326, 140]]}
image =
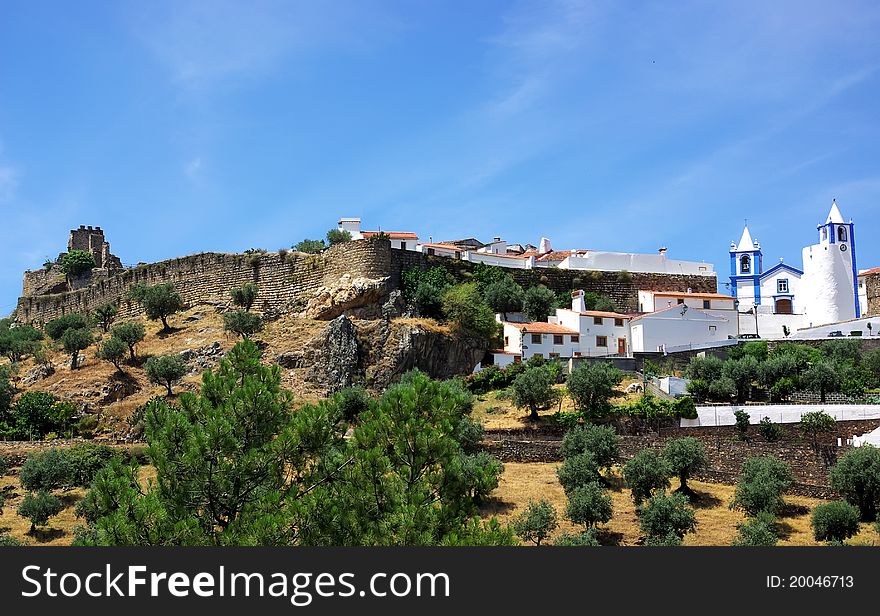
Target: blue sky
{"points": [[184, 126]]}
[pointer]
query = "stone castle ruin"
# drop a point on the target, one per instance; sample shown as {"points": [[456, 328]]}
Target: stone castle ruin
{"points": [[91, 239]]}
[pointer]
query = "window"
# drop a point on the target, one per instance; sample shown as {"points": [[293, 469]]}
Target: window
{"points": [[745, 264], [554, 355], [577, 353], [506, 340], [536, 338], [557, 339], [602, 341], [517, 359], [618, 322], [824, 233], [680, 301], [597, 320], [430, 251], [403, 245], [841, 234], [782, 285], [712, 328], [575, 338], [707, 303]]}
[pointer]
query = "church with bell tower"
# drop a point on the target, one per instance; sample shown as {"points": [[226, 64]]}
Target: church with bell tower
{"points": [[783, 297]]}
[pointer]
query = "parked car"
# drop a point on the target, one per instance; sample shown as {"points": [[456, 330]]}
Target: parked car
{"points": [[856, 333], [748, 336], [835, 334]]}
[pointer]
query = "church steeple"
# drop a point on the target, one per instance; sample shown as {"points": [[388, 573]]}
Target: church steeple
{"points": [[746, 266]]}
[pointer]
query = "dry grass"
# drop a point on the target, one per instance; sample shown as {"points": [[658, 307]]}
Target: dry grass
{"points": [[59, 530], [716, 522], [429, 325]]}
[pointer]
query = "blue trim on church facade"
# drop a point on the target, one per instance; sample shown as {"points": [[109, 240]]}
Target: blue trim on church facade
{"points": [[855, 270]]}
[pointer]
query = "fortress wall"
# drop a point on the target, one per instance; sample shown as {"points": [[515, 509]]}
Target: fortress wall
{"points": [[283, 282]]}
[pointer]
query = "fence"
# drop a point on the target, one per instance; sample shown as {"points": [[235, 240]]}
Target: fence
{"points": [[723, 415]]}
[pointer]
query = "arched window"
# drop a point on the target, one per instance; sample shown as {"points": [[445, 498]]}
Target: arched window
{"points": [[824, 233], [745, 264], [841, 234]]}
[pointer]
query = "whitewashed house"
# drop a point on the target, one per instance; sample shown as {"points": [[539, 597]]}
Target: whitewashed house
{"points": [[679, 327], [404, 240], [549, 340]]}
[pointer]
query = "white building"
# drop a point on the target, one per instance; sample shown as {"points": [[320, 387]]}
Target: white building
{"points": [[404, 240], [779, 301], [679, 327], [550, 340], [633, 262]]}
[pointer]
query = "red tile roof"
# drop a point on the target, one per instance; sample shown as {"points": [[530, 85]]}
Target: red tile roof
{"points": [[444, 247], [870, 272], [555, 255], [395, 235], [539, 327]]}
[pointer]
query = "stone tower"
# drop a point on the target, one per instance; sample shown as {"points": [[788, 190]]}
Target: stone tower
{"points": [[91, 239]]}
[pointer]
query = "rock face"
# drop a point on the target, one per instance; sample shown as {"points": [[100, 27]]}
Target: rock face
{"points": [[37, 373], [375, 353], [359, 296]]}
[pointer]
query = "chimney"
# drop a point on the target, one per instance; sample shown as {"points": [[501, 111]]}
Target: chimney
{"points": [[690, 290], [577, 301], [496, 239], [662, 251]]}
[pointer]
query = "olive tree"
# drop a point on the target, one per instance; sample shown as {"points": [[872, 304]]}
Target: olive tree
{"points": [[130, 333], [38, 508], [856, 477], [113, 350], [762, 482], [245, 295], [836, 521], [538, 302], [601, 442], [242, 323], [159, 301], [816, 423], [165, 370], [685, 456], [589, 505], [645, 473], [592, 386], [74, 341], [105, 315], [533, 390], [537, 522], [666, 519]]}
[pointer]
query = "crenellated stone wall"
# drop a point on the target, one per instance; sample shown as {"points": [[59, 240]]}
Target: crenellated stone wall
{"points": [[284, 281], [872, 288]]}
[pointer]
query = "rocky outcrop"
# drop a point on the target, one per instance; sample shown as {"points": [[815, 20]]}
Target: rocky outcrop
{"points": [[203, 358], [37, 373], [351, 296]]}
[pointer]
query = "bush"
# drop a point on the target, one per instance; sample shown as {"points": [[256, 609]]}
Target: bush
{"points": [[165, 370], [464, 307], [56, 327], [724, 389], [815, 423], [105, 315], [645, 473], [159, 302], [665, 516], [424, 290], [64, 468], [538, 303], [310, 246], [38, 508], [588, 505], [469, 433], [74, 341], [244, 296], [130, 333], [769, 431], [759, 531], [351, 402], [9, 542], [18, 341], [835, 521], [113, 350], [37, 413], [536, 522], [856, 476], [601, 442], [743, 421], [685, 456], [242, 323], [578, 470], [338, 236], [592, 386], [86, 426], [761, 484], [533, 390], [585, 539], [504, 295]]}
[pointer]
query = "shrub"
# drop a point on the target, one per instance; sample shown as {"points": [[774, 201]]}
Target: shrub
{"points": [[18, 341], [536, 522], [645, 473], [685, 456], [686, 408], [424, 290], [743, 421], [592, 386], [577, 471], [37, 413], [464, 307], [835, 521], [769, 431], [538, 302], [7, 541], [86, 426], [761, 484], [469, 433], [665, 516], [244, 296], [759, 531], [601, 442], [310, 246], [856, 476], [533, 390], [105, 315], [130, 333], [724, 389], [351, 402], [585, 539], [74, 341], [588, 505], [165, 370], [242, 323], [338, 236], [46, 470], [113, 350], [56, 327], [815, 423], [38, 508]]}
